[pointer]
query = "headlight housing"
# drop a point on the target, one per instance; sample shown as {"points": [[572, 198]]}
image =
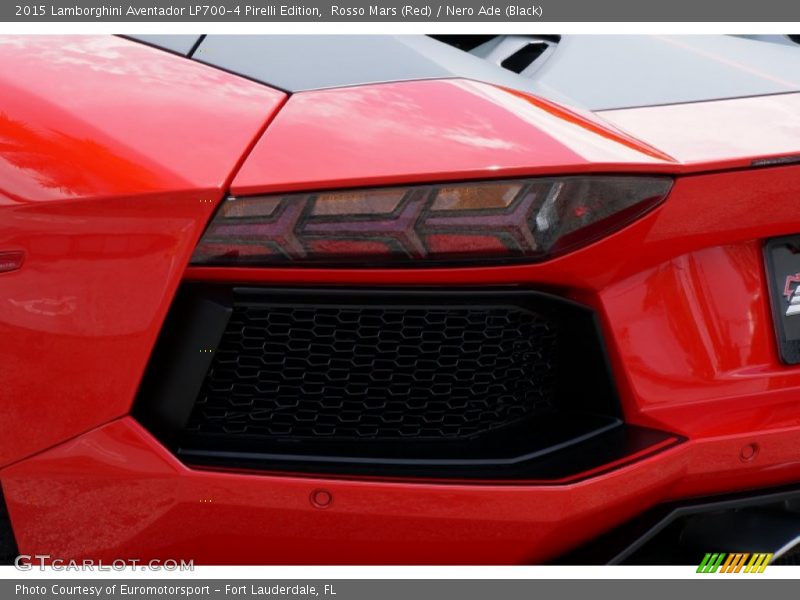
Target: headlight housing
{"points": [[521, 219]]}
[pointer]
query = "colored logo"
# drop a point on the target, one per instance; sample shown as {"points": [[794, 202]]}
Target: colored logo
{"points": [[791, 290], [738, 562]]}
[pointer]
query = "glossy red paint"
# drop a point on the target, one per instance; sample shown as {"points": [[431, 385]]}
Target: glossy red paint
{"points": [[107, 189], [100, 116], [719, 376], [122, 495], [718, 381], [112, 158], [409, 132]]}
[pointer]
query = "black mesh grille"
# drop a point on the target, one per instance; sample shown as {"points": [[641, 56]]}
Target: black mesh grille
{"points": [[502, 383], [375, 373]]}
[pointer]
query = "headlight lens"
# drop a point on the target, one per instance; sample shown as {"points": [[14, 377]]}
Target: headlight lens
{"points": [[524, 219]]}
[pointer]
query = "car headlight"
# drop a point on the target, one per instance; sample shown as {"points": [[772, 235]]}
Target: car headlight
{"points": [[522, 219]]}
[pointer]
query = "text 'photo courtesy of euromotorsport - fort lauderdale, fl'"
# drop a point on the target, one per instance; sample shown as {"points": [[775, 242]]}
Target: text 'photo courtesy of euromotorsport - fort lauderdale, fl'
{"points": [[437, 309], [160, 589]]}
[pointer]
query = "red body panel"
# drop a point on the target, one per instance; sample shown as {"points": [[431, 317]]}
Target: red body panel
{"points": [[125, 496], [99, 116], [409, 132], [681, 294], [112, 158]]}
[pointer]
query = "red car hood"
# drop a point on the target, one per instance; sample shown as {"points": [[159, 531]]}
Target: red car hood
{"points": [[387, 134]]}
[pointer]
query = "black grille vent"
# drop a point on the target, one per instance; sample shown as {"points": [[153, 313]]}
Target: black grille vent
{"points": [[498, 384], [524, 57], [377, 372]]}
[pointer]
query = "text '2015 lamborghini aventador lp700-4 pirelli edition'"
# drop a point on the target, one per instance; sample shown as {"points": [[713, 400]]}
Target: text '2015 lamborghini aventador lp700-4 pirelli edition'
{"points": [[414, 299]]}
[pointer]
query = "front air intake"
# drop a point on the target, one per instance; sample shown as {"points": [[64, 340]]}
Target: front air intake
{"points": [[504, 383]]}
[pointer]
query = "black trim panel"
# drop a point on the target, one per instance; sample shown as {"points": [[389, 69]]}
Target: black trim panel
{"points": [[569, 461], [181, 358]]}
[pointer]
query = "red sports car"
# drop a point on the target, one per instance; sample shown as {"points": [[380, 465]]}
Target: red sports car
{"points": [[413, 299]]}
